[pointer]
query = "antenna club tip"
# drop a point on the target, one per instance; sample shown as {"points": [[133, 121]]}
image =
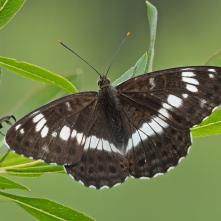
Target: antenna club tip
{"points": [[128, 34]]}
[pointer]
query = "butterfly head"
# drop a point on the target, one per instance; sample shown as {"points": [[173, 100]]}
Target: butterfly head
{"points": [[103, 81]]}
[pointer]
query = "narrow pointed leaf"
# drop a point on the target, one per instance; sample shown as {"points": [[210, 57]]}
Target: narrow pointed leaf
{"points": [[35, 171], [138, 69], [14, 159], [8, 9], [211, 126], [6, 183], [47, 210], [18, 165], [152, 19], [37, 73]]}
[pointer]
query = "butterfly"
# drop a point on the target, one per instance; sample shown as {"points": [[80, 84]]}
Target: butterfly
{"points": [[140, 128]]}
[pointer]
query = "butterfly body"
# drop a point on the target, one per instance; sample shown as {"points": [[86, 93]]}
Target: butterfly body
{"points": [[115, 121], [140, 128]]}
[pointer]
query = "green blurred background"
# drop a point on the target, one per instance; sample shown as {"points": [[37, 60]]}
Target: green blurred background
{"points": [[188, 34]]}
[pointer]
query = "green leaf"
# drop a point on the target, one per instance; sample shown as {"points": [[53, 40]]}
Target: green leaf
{"points": [[14, 159], [5, 183], [145, 63], [46, 210], [18, 165], [211, 126], [35, 171], [8, 9], [152, 19], [138, 69], [37, 73]]}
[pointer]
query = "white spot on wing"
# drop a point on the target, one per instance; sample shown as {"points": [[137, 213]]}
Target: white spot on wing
{"points": [[18, 126], [147, 129], [40, 124], [104, 187], [174, 101], [79, 137], [152, 84], [164, 112], [37, 118], [73, 134], [156, 127], [191, 88], [114, 148], [185, 96], [94, 142], [211, 75], [202, 103], [44, 132], [22, 131], [161, 122], [188, 74], [68, 105], [54, 134], [100, 145], [129, 145], [45, 148], [165, 105], [190, 80], [158, 174], [136, 138], [65, 133], [106, 146], [212, 70], [87, 142]]}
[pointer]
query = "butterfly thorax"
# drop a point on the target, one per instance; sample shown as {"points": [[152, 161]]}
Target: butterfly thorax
{"points": [[116, 122]]}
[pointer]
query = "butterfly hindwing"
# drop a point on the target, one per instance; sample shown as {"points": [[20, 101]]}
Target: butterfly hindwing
{"points": [[53, 132], [100, 168]]}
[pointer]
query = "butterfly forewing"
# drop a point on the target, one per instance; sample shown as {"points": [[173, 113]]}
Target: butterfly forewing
{"points": [[186, 95], [53, 132]]}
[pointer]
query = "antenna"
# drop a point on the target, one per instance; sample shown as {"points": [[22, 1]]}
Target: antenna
{"points": [[75, 53], [128, 34]]}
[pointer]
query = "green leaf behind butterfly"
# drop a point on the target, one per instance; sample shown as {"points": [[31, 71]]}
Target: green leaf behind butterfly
{"points": [[46, 210], [211, 126], [138, 69], [37, 73], [18, 165], [152, 15], [6, 183], [8, 9]]}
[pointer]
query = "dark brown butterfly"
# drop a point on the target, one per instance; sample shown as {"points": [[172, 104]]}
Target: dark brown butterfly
{"points": [[140, 128]]}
